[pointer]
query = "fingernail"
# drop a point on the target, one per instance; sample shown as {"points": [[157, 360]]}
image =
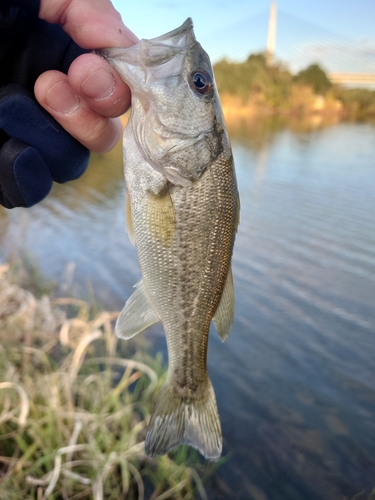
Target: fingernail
{"points": [[99, 85], [62, 99]]}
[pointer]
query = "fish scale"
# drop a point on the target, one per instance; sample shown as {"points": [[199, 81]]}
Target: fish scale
{"points": [[183, 212]]}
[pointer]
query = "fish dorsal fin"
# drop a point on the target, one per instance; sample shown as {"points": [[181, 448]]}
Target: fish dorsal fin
{"points": [[223, 317], [128, 219], [137, 315]]}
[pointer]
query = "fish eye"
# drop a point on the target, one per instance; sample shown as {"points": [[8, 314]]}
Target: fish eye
{"points": [[201, 82]]}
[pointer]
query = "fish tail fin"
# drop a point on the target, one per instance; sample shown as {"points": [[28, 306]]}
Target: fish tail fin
{"points": [[176, 421]]}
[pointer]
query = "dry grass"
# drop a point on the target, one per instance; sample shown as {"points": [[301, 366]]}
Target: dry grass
{"points": [[73, 413]]}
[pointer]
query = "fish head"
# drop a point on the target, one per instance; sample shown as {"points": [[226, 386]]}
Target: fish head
{"points": [[176, 113]]}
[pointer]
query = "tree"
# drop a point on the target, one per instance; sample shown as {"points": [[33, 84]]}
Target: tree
{"points": [[314, 76]]}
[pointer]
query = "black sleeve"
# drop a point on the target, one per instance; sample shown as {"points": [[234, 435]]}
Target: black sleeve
{"points": [[30, 5], [29, 46]]}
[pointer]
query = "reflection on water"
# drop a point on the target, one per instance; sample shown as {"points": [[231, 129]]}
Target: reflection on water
{"points": [[257, 132], [295, 379]]}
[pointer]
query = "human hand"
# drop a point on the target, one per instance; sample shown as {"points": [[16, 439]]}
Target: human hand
{"points": [[86, 100], [34, 149]]}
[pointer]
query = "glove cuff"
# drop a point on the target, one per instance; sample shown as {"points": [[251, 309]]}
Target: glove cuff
{"points": [[25, 178]]}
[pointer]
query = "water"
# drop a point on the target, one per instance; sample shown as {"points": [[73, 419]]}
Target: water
{"points": [[295, 379]]}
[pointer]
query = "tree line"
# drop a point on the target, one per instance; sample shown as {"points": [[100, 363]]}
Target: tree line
{"points": [[276, 88]]}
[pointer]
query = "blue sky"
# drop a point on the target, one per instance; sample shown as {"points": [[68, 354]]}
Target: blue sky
{"points": [[339, 34]]}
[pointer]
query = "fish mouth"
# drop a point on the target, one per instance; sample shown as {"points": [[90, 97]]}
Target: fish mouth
{"points": [[154, 51], [175, 35]]}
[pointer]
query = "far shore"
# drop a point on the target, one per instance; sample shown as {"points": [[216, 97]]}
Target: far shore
{"points": [[315, 109]]}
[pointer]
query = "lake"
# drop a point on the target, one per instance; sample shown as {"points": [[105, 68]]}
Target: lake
{"points": [[295, 381]]}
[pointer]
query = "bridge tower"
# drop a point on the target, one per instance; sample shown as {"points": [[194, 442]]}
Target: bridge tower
{"points": [[271, 36]]}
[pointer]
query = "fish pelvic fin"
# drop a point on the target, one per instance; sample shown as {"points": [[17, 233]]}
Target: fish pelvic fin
{"points": [[137, 315], [176, 421]]}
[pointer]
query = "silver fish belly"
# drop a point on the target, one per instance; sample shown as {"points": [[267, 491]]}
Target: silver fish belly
{"points": [[182, 215]]}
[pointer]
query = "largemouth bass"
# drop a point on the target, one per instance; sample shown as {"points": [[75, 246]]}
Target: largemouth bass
{"points": [[182, 214]]}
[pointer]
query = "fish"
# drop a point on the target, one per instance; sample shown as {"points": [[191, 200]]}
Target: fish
{"points": [[182, 213]]}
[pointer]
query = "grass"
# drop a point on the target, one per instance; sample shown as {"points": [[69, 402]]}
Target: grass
{"points": [[73, 411]]}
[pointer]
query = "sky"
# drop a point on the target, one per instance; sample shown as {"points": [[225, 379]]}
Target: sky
{"points": [[338, 34]]}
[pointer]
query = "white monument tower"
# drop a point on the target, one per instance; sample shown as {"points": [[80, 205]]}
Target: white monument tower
{"points": [[271, 37]]}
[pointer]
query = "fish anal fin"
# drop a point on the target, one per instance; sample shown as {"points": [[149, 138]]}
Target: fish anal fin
{"points": [[176, 421], [137, 314], [161, 216], [223, 317]]}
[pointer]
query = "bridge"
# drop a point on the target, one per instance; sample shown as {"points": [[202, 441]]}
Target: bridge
{"points": [[343, 78], [295, 43], [352, 78]]}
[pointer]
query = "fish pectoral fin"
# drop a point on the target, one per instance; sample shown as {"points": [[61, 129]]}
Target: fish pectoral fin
{"points": [[128, 218], [176, 178], [176, 421], [223, 317], [137, 314], [161, 217]]}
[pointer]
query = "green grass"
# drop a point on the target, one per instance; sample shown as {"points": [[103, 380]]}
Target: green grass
{"points": [[73, 412]]}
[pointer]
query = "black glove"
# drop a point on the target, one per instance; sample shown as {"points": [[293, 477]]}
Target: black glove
{"points": [[34, 149]]}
